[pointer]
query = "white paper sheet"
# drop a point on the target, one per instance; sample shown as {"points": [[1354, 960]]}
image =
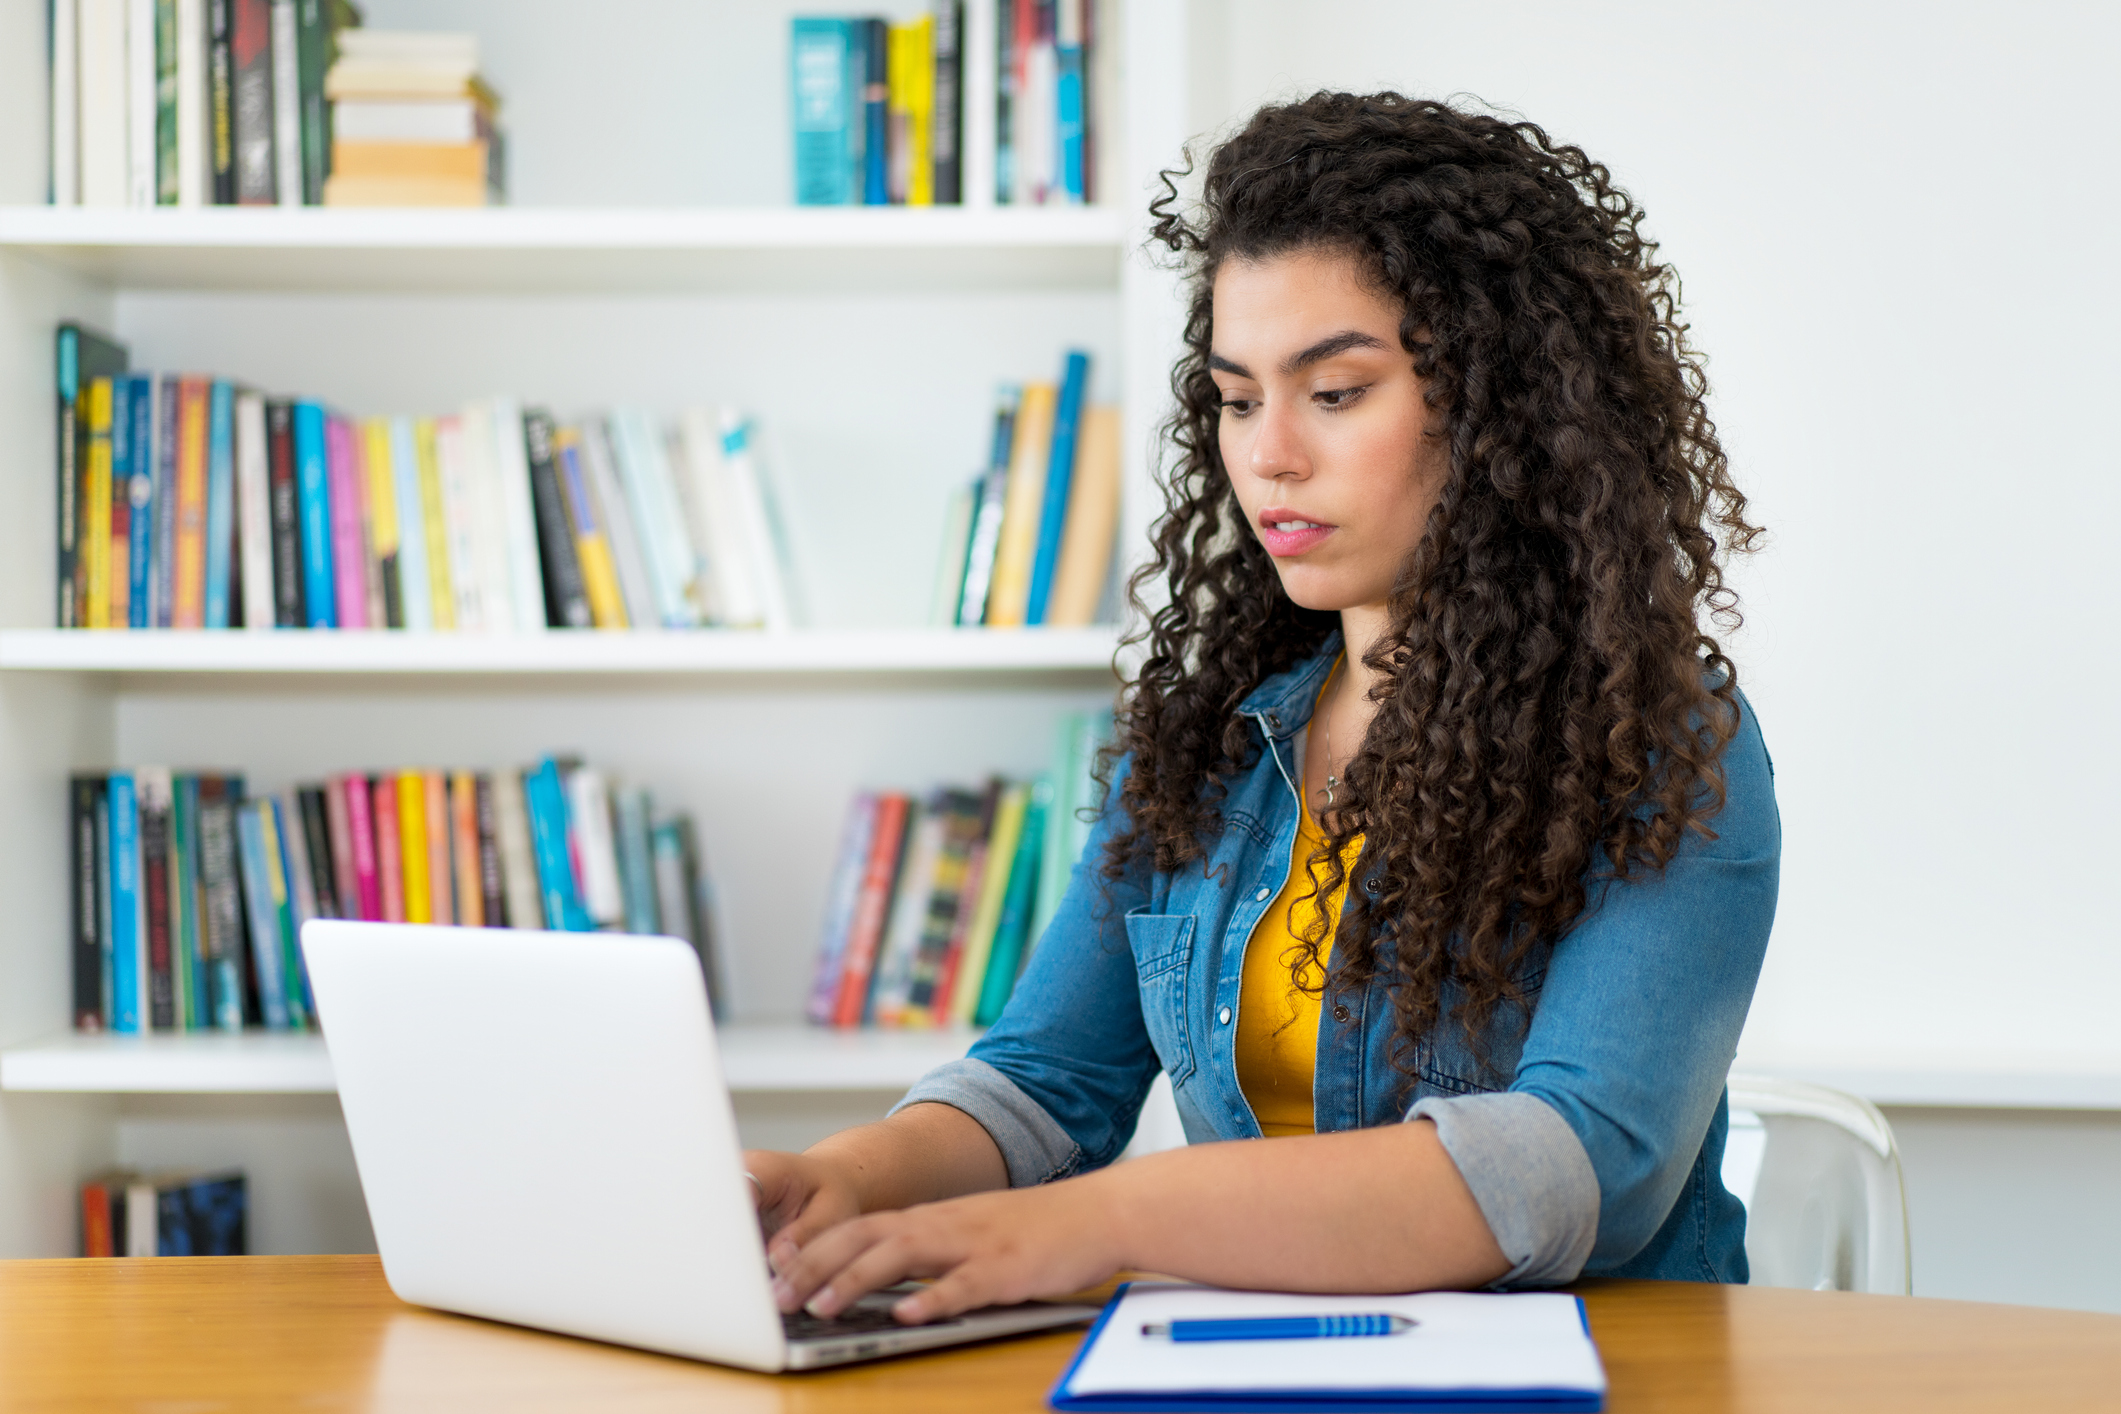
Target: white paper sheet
{"points": [[1474, 1341]]}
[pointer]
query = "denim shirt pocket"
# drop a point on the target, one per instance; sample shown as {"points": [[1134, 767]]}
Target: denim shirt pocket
{"points": [[1448, 1063], [1163, 959]]}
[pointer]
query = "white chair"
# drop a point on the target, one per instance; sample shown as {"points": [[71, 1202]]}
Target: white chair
{"points": [[1819, 1174]]}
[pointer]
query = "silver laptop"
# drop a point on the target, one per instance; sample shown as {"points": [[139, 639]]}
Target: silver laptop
{"points": [[544, 1137]]}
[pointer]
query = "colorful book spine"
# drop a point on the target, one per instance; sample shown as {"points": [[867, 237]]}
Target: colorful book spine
{"points": [[384, 544], [1070, 149], [85, 795], [141, 404], [512, 841], [416, 582], [566, 597], [287, 871], [985, 535], [946, 124], [338, 824], [600, 581], [188, 566], [876, 112], [441, 885], [186, 944], [970, 888], [1008, 596], [390, 849], [1093, 522], [637, 862], [254, 512], [162, 572], [464, 849], [960, 812], [841, 896], [119, 556], [309, 824], [546, 801], [221, 101], [97, 501], [362, 832], [411, 788], [865, 934], [493, 898], [434, 520], [220, 518], [1007, 956], [818, 80], [221, 880], [987, 913], [256, 846], [128, 928], [285, 503], [313, 497], [251, 60], [152, 789], [519, 516], [349, 552], [1060, 472]]}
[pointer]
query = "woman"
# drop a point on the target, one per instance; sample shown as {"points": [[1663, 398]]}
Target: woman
{"points": [[1445, 519]]}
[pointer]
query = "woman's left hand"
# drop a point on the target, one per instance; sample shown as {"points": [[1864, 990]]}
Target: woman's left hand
{"points": [[987, 1249]]}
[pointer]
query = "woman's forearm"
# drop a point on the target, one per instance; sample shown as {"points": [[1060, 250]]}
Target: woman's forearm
{"points": [[923, 1153], [1367, 1210]]}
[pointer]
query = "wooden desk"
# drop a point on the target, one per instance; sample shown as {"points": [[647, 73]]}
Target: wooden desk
{"points": [[324, 1333]]}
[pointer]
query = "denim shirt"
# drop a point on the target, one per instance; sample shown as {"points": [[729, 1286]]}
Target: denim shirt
{"points": [[1592, 1138]]}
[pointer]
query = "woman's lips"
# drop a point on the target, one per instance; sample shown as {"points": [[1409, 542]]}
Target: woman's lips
{"points": [[1285, 533]]}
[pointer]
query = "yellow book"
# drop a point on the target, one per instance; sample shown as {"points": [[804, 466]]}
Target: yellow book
{"points": [[1093, 521], [439, 580], [1010, 592], [910, 70], [412, 847], [441, 889], [95, 532], [382, 506], [600, 576], [987, 914]]}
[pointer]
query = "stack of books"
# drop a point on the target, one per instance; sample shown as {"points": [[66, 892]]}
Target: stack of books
{"points": [[192, 102], [1029, 541], [936, 901], [412, 123], [879, 108], [187, 501], [128, 1214], [189, 893]]}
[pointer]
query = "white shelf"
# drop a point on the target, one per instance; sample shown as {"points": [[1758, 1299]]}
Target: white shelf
{"points": [[562, 653], [1941, 1084], [755, 1058], [574, 249]]}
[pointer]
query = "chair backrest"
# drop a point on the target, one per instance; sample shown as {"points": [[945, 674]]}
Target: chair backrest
{"points": [[1819, 1174]]}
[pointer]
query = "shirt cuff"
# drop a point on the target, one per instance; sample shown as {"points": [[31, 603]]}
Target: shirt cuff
{"points": [[1529, 1174], [1032, 1142]]}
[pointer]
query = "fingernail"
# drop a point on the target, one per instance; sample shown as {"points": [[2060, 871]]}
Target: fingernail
{"points": [[907, 1310], [783, 1293], [821, 1305]]}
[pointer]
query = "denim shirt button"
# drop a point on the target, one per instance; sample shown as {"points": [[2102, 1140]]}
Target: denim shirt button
{"points": [[1223, 1017], [1341, 1012], [1263, 895], [1371, 885]]}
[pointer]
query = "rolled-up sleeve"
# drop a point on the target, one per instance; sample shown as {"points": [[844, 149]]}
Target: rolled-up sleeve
{"points": [[1529, 1174], [1032, 1142]]}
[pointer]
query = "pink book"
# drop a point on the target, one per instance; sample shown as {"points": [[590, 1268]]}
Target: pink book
{"points": [[390, 872], [349, 556], [361, 825], [337, 822]]}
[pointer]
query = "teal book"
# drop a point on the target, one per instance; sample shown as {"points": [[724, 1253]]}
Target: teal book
{"points": [[125, 912], [637, 864], [546, 799], [313, 505], [294, 974], [821, 81], [1060, 473], [184, 962], [263, 910], [139, 487], [1012, 933], [221, 500]]}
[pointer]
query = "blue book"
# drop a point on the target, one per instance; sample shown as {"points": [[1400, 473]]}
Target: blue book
{"points": [[125, 916], [876, 113], [163, 597], [1006, 958], [415, 594], [220, 499], [294, 973], [139, 485], [819, 81], [264, 911], [1068, 95], [1060, 473], [313, 509], [546, 800]]}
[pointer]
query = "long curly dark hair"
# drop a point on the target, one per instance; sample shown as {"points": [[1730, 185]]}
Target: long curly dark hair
{"points": [[1550, 704]]}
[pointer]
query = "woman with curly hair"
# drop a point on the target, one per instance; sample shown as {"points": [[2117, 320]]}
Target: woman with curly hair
{"points": [[1441, 847]]}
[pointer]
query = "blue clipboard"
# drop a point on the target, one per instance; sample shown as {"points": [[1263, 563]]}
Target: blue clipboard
{"points": [[1293, 1401]]}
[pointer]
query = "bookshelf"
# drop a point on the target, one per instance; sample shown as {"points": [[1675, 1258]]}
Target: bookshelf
{"points": [[870, 339]]}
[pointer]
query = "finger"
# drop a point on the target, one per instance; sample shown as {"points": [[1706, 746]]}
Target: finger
{"points": [[961, 1289], [797, 1278], [892, 1258], [822, 1211]]}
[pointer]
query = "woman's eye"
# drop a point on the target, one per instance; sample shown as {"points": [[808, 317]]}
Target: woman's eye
{"points": [[1238, 407], [1337, 397]]}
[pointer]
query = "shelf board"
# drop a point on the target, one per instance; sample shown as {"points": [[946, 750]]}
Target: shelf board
{"points": [[559, 654], [567, 249], [755, 1058]]}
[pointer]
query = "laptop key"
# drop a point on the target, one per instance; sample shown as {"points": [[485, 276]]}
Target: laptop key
{"points": [[801, 1325]]}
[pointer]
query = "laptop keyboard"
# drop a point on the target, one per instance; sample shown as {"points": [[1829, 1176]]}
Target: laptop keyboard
{"points": [[801, 1325]]}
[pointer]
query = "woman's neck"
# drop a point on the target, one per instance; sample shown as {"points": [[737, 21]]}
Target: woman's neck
{"points": [[1360, 629]]}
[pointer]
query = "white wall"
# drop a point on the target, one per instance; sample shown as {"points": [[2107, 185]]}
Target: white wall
{"points": [[1895, 228]]}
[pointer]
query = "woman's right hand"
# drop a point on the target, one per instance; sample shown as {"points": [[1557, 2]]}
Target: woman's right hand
{"points": [[799, 1196]]}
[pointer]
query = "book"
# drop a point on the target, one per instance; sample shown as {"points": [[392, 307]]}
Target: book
{"points": [[518, 860], [464, 849], [257, 850], [187, 603], [383, 531], [946, 123], [627, 561], [128, 923], [80, 357], [338, 828], [983, 537], [441, 878], [349, 552], [289, 610], [186, 962], [1060, 473], [140, 102], [142, 444], [222, 912], [221, 101], [218, 516], [299, 903], [850, 864], [175, 1214], [313, 46], [651, 497], [899, 954], [1076, 798], [459, 502], [566, 598], [998, 863], [971, 886], [546, 805], [819, 79], [732, 596], [313, 501], [152, 791], [287, 105], [307, 817], [1068, 101], [251, 66], [589, 809], [96, 500], [163, 116], [104, 135], [912, 80], [1092, 527], [254, 539], [633, 808], [409, 510], [762, 516], [86, 797], [410, 790], [168, 455], [865, 932], [434, 521], [511, 469], [685, 902], [390, 849], [600, 580], [117, 555], [950, 558], [960, 813], [493, 901], [1007, 953], [362, 846], [1009, 593], [66, 104], [876, 111]]}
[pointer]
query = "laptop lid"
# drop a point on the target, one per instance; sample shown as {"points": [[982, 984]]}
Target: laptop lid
{"points": [[543, 1132]]}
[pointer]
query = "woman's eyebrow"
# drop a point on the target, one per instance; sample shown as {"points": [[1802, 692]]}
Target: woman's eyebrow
{"points": [[1325, 348]]}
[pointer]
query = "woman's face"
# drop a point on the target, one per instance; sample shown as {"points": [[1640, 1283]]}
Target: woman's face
{"points": [[1324, 432]]}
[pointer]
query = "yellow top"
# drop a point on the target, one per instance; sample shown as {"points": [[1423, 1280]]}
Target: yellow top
{"points": [[1277, 1020]]}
